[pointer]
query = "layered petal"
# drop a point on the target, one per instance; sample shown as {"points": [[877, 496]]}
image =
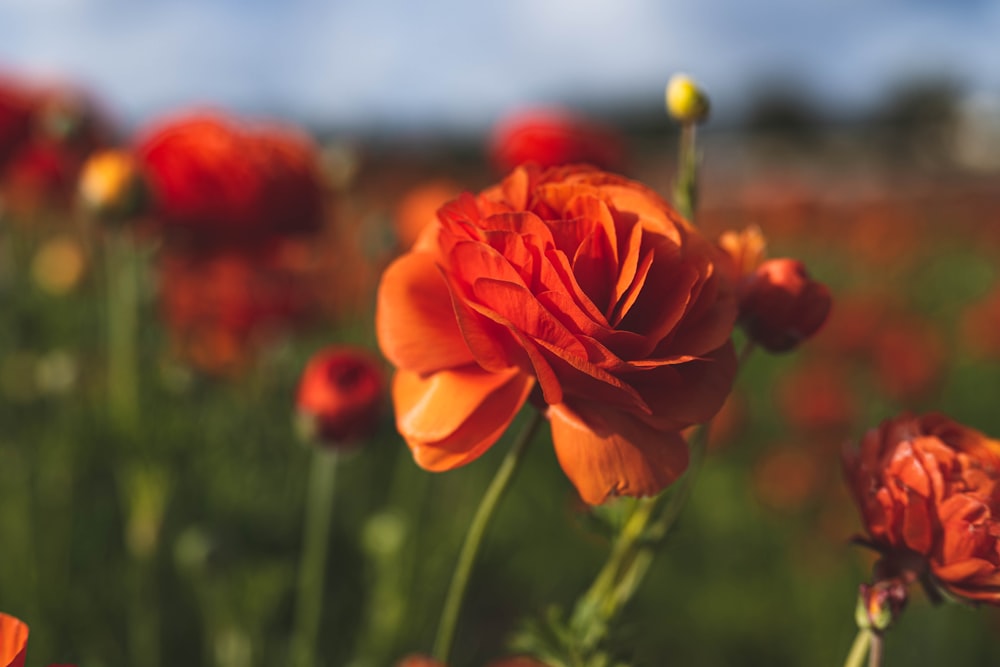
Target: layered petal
{"points": [[607, 453], [450, 418]]}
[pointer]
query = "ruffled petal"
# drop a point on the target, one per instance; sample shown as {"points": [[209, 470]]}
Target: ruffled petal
{"points": [[450, 418], [608, 453]]}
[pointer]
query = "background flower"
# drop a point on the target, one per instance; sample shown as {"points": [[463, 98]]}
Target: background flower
{"points": [[928, 489]]}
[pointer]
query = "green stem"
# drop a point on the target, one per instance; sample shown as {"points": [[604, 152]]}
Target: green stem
{"points": [[312, 569], [122, 307], [686, 187], [859, 649], [474, 537], [633, 551], [875, 653]]}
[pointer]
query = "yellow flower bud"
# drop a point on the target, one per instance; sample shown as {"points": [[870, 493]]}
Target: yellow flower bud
{"points": [[686, 102], [111, 186]]}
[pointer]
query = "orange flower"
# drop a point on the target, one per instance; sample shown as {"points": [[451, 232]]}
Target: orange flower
{"points": [[746, 250], [214, 177], [780, 305], [13, 641], [340, 396], [928, 489], [580, 286], [553, 137]]}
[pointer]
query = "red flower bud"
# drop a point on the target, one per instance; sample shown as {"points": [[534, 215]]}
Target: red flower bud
{"points": [[780, 305], [340, 396]]}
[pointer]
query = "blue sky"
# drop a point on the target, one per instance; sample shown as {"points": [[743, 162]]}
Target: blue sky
{"points": [[462, 63]]}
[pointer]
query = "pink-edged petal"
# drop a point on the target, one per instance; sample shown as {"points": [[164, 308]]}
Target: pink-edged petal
{"points": [[608, 453], [450, 418], [415, 322]]}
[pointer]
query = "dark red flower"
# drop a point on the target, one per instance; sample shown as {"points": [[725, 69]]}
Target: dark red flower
{"points": [[340, 396], [781, 306]]}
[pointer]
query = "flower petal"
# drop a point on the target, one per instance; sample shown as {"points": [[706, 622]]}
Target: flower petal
{"points": [[608, 453], [451, 417], [13, 641], [415, 322]]}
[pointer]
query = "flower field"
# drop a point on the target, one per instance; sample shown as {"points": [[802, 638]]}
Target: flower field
{"points": [[734, 395]]}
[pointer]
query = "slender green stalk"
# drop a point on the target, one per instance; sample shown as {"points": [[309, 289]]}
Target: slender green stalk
{"points": [[633, 552], [875, 652], [312, 569], [474, 537], [686, 187], [859, 649], [122, 328]]}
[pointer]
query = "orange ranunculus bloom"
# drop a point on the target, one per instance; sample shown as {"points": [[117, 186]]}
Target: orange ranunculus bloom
{"points": [[215, 178], [553, 137], [340, 396], [581, 286], [13, 641], [928, 489]]}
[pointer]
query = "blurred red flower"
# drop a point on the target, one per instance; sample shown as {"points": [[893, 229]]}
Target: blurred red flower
{"points": [[340, 396], [17, 104], [219, 179], [221, 304], [581, 286], [553, 137], [781, 306], [928, 489], [45, 135]]}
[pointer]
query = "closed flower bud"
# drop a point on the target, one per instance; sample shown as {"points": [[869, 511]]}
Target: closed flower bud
{"points": [[781, 306], [686, 102], [111, 187], [340, 397]]}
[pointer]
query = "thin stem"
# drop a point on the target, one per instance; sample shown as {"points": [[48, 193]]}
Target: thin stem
{"points": [[875, 654], [122, 306], [686, 187], [859, 649], [474, 537], [312, 570]]}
